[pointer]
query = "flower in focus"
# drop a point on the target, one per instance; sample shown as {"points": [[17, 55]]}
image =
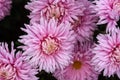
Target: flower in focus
{"points": [[61, 10], [108, 12], [81, 68], [5, 6], [48, 45], [85, 26], [13, 66], [107, 54]]}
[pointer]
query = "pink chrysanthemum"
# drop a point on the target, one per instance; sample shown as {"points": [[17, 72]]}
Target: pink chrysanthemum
{"points": [[86, 23], [108, 12], [5, 6], [13, 66], [61, 10], [48, 44], [81, 68], [107, 58]]}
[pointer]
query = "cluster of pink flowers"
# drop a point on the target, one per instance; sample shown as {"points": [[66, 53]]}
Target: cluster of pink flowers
{"points": [[107, 48], [59, 40], [59, 36]]}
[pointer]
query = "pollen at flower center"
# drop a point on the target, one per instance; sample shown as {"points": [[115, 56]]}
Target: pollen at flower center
{"points": [[55, 11], [116, 54], [117, 6], [77, 64], [4, 75], [49, 46]]}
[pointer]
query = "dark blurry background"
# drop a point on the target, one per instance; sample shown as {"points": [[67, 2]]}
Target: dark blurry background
{"points": [[10, 25], [10, 31]]}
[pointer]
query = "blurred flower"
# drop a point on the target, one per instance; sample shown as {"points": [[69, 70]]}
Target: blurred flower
{"points": [[81, 68], [85, 26], [108, 12], [61, 10], [107, 54], [5, 6], [48, 44], [13, 66]]}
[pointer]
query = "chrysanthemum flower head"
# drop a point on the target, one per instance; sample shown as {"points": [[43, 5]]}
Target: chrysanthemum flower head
{"points": [[48, 45], [107, 54], [108, 12], [85, 25], [13, 66], [61, 10], [81, 68], [5, 6]]}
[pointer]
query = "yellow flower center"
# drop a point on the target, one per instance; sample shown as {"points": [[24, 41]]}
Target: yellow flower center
{"points": [[49, 46], [77, 65]]}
